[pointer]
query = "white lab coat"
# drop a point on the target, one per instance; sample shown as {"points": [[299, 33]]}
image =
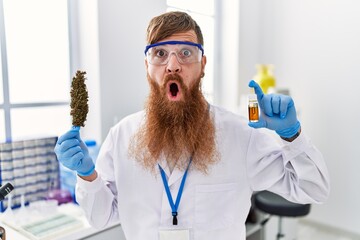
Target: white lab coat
{"points": [[213, 206]]}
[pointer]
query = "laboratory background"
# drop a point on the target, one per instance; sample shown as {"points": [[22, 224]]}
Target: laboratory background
{"points": [[313, 47]]}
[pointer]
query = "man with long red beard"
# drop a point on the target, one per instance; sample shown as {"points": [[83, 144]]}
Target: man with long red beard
{"points": [[185, 169], [178, 117]]}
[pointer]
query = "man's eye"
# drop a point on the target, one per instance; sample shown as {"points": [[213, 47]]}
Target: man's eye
{"points": [[186, 52], [160, 53]]}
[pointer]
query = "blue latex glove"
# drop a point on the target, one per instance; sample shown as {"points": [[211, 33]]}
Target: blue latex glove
{"points": [[277, 112], [72, 152]]}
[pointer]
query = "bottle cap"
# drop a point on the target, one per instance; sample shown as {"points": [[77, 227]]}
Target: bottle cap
{"points": [[252, 97], [90, 142]]}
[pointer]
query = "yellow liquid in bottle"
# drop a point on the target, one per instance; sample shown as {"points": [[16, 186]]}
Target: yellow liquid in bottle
{"points": [[253, 112]]}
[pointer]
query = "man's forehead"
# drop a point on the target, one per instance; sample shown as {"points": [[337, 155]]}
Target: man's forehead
{"points": [[188, 36]]}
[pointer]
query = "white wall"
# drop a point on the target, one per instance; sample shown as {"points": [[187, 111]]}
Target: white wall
{"points": [[315, 47], [85, 57], [122, 29], [227, 32], [249, 43], [108, 43]]}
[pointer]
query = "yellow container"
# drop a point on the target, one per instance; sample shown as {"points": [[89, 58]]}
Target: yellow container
{"points": [[264, 77]]}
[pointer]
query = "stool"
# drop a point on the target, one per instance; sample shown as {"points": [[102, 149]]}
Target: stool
{"points": [[274, 204]]}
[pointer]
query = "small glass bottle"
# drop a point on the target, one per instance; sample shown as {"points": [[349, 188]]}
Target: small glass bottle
{"points": [[253, 108]]}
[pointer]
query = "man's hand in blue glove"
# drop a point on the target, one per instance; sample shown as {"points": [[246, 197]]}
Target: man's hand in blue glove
{"points": [[277, 113], [72, 152]]}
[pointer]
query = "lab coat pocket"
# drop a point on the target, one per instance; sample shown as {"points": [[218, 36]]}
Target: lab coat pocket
{"points": [[216, 205]]}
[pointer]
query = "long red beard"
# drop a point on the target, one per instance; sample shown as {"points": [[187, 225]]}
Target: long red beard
{"points": [[176, 130]]}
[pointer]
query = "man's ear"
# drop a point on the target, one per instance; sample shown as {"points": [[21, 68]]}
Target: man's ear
{"points": [[203, 63], [146, 64]]}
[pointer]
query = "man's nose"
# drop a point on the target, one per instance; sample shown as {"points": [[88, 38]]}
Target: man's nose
{"points": [[173, 65]]}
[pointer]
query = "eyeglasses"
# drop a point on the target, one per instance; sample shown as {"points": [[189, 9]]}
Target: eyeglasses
{"points": [[185, 52]]}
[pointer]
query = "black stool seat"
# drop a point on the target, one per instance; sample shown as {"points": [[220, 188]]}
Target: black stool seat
{"points": [[276, 205]]}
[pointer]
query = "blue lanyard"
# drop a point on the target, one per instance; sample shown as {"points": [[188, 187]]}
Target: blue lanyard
{"points": [[174, 207]]}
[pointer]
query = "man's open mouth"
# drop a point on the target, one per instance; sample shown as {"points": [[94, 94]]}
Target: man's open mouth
{"points": [[174, 91]]}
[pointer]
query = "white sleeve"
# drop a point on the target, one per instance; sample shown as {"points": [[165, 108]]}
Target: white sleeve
{"points": [[98, 201], [99, 198], [295, 170]]}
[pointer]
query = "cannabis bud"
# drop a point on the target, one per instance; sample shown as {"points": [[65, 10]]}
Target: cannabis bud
{"points": [[79, 99]]}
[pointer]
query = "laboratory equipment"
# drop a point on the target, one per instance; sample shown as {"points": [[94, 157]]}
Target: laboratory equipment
{"points": [[5, 190]]}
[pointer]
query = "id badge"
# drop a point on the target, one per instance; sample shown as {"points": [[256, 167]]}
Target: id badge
{"points": [[174, 234]]}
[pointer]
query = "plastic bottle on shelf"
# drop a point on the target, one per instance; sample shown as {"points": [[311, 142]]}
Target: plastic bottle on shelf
{"points": [[265, 78], [67, 180], [93, 149]]}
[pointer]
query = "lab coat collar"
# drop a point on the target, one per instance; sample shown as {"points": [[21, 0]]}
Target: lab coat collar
{"points": [[176, 174]]}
